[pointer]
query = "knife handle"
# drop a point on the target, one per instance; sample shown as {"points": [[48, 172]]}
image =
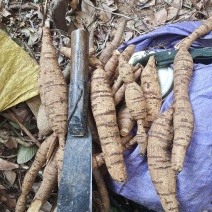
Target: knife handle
{"points": [[165, 58], [78, 88]]}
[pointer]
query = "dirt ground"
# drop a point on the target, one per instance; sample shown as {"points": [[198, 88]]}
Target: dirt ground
{"points": [[22, 20]]}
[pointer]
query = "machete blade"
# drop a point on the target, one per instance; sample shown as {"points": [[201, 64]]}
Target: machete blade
{"points": [[76, 180], [75, 187]]}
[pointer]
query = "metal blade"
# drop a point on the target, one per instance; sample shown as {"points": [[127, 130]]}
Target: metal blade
{"points": [[76, 178]]}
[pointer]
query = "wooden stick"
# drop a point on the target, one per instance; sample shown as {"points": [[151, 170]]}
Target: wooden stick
{"points": [[24, 128]]}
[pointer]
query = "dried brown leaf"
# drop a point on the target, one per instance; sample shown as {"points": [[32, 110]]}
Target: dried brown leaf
{"points": [[130, 24], [22, 112], [161, 16], [208, 6], [146, 3], [127, 36], [177, 4], [172, 12], [110, 2], [200, 4], [111, 8], [31, 34], [10, 176], [103, 16], [86, 7], [36, 186], [46, 207], [58, 12], [5, 13], [4, 136], [6, 165], [11, 143]]}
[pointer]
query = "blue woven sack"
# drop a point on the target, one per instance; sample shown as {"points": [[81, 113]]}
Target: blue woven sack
{"points": [[194, 182]]}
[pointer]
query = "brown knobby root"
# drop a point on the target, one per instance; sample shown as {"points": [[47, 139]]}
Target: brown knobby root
{"points": [[130, 143], [49, 183], [104, 113], [42, 122], [111, 46], [119, 95], [94, 62], [136, 103], [118, 83], [126, 140], [159, 160], [125, 121], [92, 51], [105, 202], [66, 51], [203, 29], [39, 161], [97, 160], [53, 88], [111, 65], [151, 90], [127, 53], [59, 158], [183, 115]]}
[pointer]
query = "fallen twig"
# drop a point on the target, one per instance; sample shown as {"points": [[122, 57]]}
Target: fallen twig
{"points": [[24, 128]]}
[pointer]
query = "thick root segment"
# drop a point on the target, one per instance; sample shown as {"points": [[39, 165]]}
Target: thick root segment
{"points": [[203, 29], [48, 184], [183, 125], [102, 190], [183, 69], [137, 69], [119, 95], [183, 115], [135, 101], [134, 98], [40, 160], [42, 122], [52, 86], [60, 156], [151, 89], [159, 160], [111, 65], [97, 160], [111, 46], [127, 53], [125, 121], [104, 113]]}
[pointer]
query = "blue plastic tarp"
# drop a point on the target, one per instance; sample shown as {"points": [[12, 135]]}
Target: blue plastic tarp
{"points": [[194, 182]]}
